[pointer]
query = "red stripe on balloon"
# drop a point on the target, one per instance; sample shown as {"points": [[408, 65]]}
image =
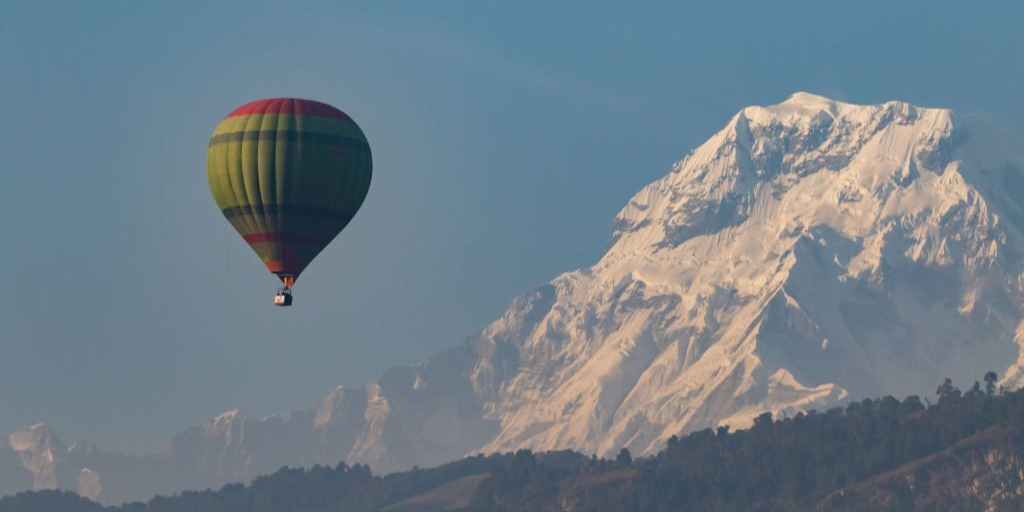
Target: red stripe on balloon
{"points": [[254, 238], [294, 106]]}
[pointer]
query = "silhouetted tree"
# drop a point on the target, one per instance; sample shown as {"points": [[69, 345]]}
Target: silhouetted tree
{"points": [[947, 390], [990, 383], [624, 458]]}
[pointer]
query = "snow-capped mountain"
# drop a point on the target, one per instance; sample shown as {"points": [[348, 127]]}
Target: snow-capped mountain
{"points": [[809, 253]]}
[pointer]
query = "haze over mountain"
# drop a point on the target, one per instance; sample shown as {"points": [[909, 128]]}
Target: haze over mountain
{"points": [[808, 253]]}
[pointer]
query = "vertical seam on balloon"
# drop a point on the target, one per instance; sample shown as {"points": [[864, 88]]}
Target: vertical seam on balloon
{"points": [[249, 153], [288, 188], [231, 164], [266, 145], [287, 222], [271, 192]]}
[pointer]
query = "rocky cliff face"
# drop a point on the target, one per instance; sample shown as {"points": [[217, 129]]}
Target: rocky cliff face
{"points": [[41, 455], [14, 476], [809, 252]]}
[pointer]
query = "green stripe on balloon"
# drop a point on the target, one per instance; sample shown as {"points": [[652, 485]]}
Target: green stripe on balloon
{"points": [[289, 210]]}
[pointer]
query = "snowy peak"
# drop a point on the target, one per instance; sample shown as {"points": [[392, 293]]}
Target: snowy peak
{"points": [[807, 110], [39, 451], [340, 404], [35, 438], [763, 152], [809, 100]]}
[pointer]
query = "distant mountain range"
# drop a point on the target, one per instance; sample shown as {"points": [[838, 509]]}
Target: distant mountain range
{"points": [[965, 453], [810, 253]]}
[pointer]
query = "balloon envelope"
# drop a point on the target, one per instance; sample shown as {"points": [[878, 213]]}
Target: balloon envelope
{"points": [[288, 174]]}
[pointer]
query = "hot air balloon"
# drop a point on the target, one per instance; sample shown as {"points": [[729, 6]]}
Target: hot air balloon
{"points": [[289, 175]]}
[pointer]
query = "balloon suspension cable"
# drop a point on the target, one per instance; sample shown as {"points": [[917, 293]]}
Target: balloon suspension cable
{"points": [[288, 281]]}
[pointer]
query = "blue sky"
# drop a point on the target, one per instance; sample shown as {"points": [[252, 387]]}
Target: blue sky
{"points": [[506, 135]]}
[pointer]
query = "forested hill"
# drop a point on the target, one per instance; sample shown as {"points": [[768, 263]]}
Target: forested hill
{"points": [[964, 452]]}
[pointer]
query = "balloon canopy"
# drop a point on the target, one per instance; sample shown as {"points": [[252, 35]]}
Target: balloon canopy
{"points": [[289, 175]]}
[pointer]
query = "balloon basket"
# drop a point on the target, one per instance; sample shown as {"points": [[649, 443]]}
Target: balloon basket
{"points": [[283, 298]]}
